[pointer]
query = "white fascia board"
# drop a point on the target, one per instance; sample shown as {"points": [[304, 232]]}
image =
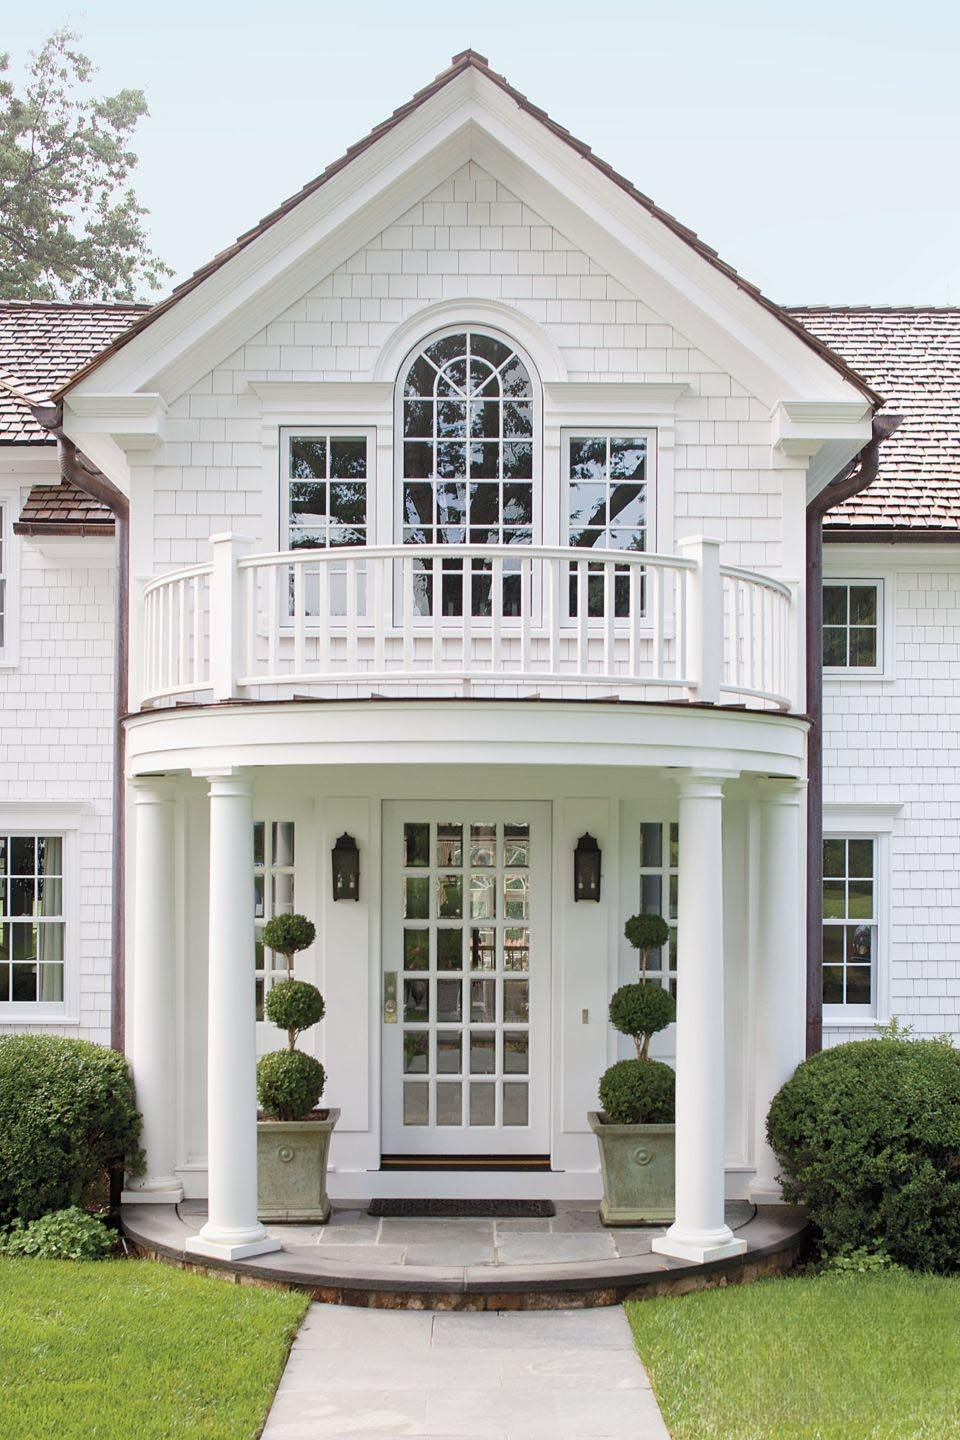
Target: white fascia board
{"points": [[886, 557], [626, 398], [31, 464], [709, 308], [296, 252], [346, 399]]}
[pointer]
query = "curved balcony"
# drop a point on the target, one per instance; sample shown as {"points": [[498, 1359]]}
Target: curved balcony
{"points": [[465, 620]]}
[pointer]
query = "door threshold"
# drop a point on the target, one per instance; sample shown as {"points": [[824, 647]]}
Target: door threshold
{"points": [[466, 1162]]}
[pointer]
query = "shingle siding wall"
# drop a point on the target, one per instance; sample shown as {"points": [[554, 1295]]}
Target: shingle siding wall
{"points": [[473, 239], [898, 743], [56, 711]]}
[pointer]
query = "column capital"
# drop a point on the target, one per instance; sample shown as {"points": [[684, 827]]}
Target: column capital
{"points": [[226, 780], [704, 784], [151, 790], [780, 790]]}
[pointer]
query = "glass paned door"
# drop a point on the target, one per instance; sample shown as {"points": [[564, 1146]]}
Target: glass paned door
{"points": [[465, 986]]}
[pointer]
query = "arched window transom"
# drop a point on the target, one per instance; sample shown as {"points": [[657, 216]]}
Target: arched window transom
{"points": [[468, 440]]}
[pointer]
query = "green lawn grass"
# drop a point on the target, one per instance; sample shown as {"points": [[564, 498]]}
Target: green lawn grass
{"points": [[131, 1350], [828, 1357]]}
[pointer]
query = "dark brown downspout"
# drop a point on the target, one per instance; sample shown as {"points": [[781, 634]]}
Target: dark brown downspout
{"points": [[860, 473], [81, 472]]}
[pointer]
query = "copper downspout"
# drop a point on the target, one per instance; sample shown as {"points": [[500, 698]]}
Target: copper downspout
{"points": [[860, 473], [81, 472]]}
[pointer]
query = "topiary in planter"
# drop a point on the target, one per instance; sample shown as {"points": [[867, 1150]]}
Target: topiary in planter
{"points": [[638, 1092], [641, 1011], [294, 1005], [869, 1137], [68, 1115], [289, 1084]]}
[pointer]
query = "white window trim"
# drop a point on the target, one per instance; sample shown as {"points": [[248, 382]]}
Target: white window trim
{"points": [[10, 649], [867, 822], [63, 821], [883, 670], [334, 432]]}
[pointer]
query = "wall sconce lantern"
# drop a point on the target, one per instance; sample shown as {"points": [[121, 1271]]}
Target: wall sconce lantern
{"points": [[586, 869], [346, 869]]}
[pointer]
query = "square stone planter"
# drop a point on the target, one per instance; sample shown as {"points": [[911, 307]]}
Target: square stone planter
{"points": [[292, 1168], [636, 1162]]}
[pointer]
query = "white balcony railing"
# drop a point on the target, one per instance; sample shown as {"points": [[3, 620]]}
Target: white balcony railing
{"points": [[389, 618]]}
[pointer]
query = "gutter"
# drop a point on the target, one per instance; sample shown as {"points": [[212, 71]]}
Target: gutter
{"points": [[861, 472], [81, 472]]}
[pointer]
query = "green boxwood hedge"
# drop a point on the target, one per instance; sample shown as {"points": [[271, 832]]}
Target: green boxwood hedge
{"points": [[68, 1114], [869, 1137]]}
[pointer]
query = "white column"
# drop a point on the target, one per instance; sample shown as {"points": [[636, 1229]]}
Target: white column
{"points": [[232, 1231], [779, 964], [700, 1232], [154, 994]]}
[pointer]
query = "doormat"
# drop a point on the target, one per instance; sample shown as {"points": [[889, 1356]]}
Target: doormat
{"points": [[462, 1209]]}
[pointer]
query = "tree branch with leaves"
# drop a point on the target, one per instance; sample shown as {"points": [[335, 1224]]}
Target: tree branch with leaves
{"points": [[71, 227]]}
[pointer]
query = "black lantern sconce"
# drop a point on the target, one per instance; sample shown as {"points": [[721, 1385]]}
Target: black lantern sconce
{"points": [[586, 869], [346, 869]]}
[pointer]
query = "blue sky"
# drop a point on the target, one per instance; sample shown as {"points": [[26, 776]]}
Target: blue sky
{"points": [[815, 146]]}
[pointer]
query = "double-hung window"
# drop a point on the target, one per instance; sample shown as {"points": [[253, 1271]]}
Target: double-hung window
{"points": [[32, 920], [608, 507], [852, 638], [850, 925], [325, 505]]}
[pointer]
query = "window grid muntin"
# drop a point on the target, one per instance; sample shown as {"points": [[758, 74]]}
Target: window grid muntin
{"points": [[659, 881], [330, 450], [273, 890], [606, 534], [16, 969], [842, 928], [433, 409], [487, 1088], [843, 637]]}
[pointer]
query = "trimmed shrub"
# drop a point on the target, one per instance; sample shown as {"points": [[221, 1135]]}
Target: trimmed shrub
{"points": [[67, 1116], [286, 934], [638, 1092], [640, 1011], [289, 1084], [869, 1136], [63, 1235], [645, 933], [294, 1005]]}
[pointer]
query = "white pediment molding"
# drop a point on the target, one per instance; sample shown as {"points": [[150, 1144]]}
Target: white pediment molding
{"points": [[618, 400], [339, 401]]}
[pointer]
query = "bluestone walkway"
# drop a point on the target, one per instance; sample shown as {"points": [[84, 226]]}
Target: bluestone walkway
{"points": [[495, 1375]]}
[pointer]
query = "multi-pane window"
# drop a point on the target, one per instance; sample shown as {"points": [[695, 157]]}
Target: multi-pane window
{"points": [[273, 890], [467, 461], [851, 625], [849, 920], [326, 491], [606, 509], [659, 851], [32, 925]]}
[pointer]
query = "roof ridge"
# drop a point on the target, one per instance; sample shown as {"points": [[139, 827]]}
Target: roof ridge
{"points": [[12, 303], [873, 309]]}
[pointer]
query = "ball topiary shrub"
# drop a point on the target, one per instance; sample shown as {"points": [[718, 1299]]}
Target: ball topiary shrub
{"points": [[869, 1137], [638, 1092], [645, 933], [294, 1005], [68, 1115], [64, 1235], [289, 1084], [288, 934], [641, 1011]]}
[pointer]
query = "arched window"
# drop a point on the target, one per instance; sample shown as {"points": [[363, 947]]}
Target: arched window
{"points": [[468, 431]]}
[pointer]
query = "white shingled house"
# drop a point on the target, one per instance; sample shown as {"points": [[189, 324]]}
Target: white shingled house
{"points": [[463, 515]]}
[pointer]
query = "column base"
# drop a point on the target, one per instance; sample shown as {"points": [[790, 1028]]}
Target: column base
{"points": [[217, 1244], [699, 1246], [161, 1192]]}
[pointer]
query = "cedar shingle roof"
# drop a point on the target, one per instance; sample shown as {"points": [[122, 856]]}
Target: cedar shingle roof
{"points": [[911, 354], [466, 60], [62, 509], [42, 343]]}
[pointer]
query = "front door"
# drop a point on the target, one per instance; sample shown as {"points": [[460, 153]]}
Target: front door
{"points": [[465, 994]]}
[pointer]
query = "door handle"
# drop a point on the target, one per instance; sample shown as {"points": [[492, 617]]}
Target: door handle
{"points": [[389, 997]]}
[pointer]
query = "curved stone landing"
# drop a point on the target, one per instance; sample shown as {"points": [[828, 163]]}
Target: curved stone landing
{"points": [[431, 1264]]}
